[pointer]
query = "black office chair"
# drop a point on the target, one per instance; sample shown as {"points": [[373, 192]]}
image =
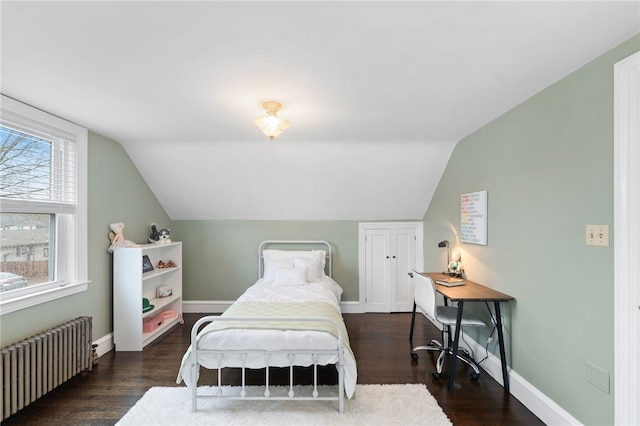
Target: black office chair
{"points": [[426, 301]]}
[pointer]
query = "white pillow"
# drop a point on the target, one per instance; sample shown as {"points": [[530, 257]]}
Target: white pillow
{"points": [[289, 277], [320, 257], [274, 259], [314, 265], [273, 266]]}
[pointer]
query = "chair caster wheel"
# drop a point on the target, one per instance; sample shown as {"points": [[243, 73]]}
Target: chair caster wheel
{"points": [[475, 376], [414, 356], [435, 375]]}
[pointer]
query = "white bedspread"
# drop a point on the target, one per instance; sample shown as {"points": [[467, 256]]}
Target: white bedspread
{"points": [[325, 290]]}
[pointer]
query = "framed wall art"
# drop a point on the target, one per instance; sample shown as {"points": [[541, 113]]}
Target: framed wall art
{"points": [[473, 218]]}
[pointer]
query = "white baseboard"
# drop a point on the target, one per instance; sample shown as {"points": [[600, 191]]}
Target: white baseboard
{"points": [[205, 306], [532, 398], [352, 308], [105, 344]]}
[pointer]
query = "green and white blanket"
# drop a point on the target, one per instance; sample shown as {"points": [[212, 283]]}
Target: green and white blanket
{"points": [[282, 309]]}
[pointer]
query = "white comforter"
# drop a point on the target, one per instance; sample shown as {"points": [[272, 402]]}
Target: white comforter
{"points": [[325, 290]]}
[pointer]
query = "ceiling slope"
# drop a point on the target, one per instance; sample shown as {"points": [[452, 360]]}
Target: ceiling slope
{"points": [[377, 93]]}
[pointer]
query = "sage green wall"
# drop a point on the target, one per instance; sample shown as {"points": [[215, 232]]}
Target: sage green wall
{"points": [[117, 193], [220, 258], [548, 168]]}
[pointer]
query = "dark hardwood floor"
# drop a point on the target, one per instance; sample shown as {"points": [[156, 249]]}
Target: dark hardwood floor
{"points": [[380, 343]]}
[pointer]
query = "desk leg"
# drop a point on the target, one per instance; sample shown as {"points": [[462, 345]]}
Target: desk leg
{"points": [[503, 357], [456, 339], [413, 322]]}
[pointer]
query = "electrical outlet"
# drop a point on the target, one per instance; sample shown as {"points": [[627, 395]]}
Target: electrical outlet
{"points": [[597, 377], [597, 235]]}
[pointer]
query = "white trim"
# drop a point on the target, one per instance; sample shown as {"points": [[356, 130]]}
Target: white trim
{"points": [[16, 303], [105, 344], [530, 396], [626, 240], [205, 306], [354, 307]]}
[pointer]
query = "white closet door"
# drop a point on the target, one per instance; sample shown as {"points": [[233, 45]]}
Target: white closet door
{"points": [[378, 274], [403, 255], [388, 251]]}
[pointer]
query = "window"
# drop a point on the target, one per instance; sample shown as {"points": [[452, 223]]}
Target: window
{"points": [[43, 211]]}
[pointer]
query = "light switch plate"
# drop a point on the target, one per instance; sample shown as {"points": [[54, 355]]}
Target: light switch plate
{"points": [[597, 235]]}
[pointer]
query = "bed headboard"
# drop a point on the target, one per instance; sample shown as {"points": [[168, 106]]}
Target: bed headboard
{"points": [[294, 245]]}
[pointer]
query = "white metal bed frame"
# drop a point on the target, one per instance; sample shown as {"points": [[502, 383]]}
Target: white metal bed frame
{"points": [[241, 355]]}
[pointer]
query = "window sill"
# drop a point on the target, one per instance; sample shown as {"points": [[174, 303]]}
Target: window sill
{"points": [[17, 302]]}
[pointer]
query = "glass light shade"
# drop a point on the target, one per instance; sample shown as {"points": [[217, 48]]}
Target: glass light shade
{"points": [[272, 125]]}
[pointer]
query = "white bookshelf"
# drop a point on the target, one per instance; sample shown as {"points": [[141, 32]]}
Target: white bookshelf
{"points": [[131, 285]]}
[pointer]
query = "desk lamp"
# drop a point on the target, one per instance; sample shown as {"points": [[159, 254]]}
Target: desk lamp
{"points": [[445, 243]]}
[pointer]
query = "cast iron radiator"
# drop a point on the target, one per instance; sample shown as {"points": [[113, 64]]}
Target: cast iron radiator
{"points": [[34, 366]]}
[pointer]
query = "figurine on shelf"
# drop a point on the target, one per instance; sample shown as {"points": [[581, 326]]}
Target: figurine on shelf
{"points": [[169, 264], [455, 267], [159, 236], [116, 237], [94, 355]]}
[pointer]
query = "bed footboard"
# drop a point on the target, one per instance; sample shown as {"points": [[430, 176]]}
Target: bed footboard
{"points": [[239, 357]]}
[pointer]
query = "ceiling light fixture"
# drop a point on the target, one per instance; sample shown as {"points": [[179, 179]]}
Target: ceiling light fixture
{"points": [[271, 125]]}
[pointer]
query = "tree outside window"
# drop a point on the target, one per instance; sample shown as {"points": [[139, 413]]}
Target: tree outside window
{"points": [[25, 174]]}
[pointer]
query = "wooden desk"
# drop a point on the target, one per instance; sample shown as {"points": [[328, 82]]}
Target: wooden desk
{"points": [[473, 292]]}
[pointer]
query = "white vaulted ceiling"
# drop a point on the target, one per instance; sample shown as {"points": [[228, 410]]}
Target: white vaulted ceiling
{"points": [[377, 93]]}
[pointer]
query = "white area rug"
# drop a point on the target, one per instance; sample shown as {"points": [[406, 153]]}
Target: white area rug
{"points": [[372, 405]]}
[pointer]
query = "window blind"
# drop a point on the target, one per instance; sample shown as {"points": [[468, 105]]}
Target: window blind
{"points": [[37, 169]]}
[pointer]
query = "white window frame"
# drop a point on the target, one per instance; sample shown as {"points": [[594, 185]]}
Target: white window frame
{"points": [[71, 236]]}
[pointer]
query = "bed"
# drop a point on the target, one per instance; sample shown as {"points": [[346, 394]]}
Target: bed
{"points": [[290, 317]]}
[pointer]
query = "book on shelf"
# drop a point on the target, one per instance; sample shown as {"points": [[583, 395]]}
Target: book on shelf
{"points": [[450, 281]]}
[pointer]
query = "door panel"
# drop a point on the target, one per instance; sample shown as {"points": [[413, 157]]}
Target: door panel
{"points": [[377, 270], [403, 252]]}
